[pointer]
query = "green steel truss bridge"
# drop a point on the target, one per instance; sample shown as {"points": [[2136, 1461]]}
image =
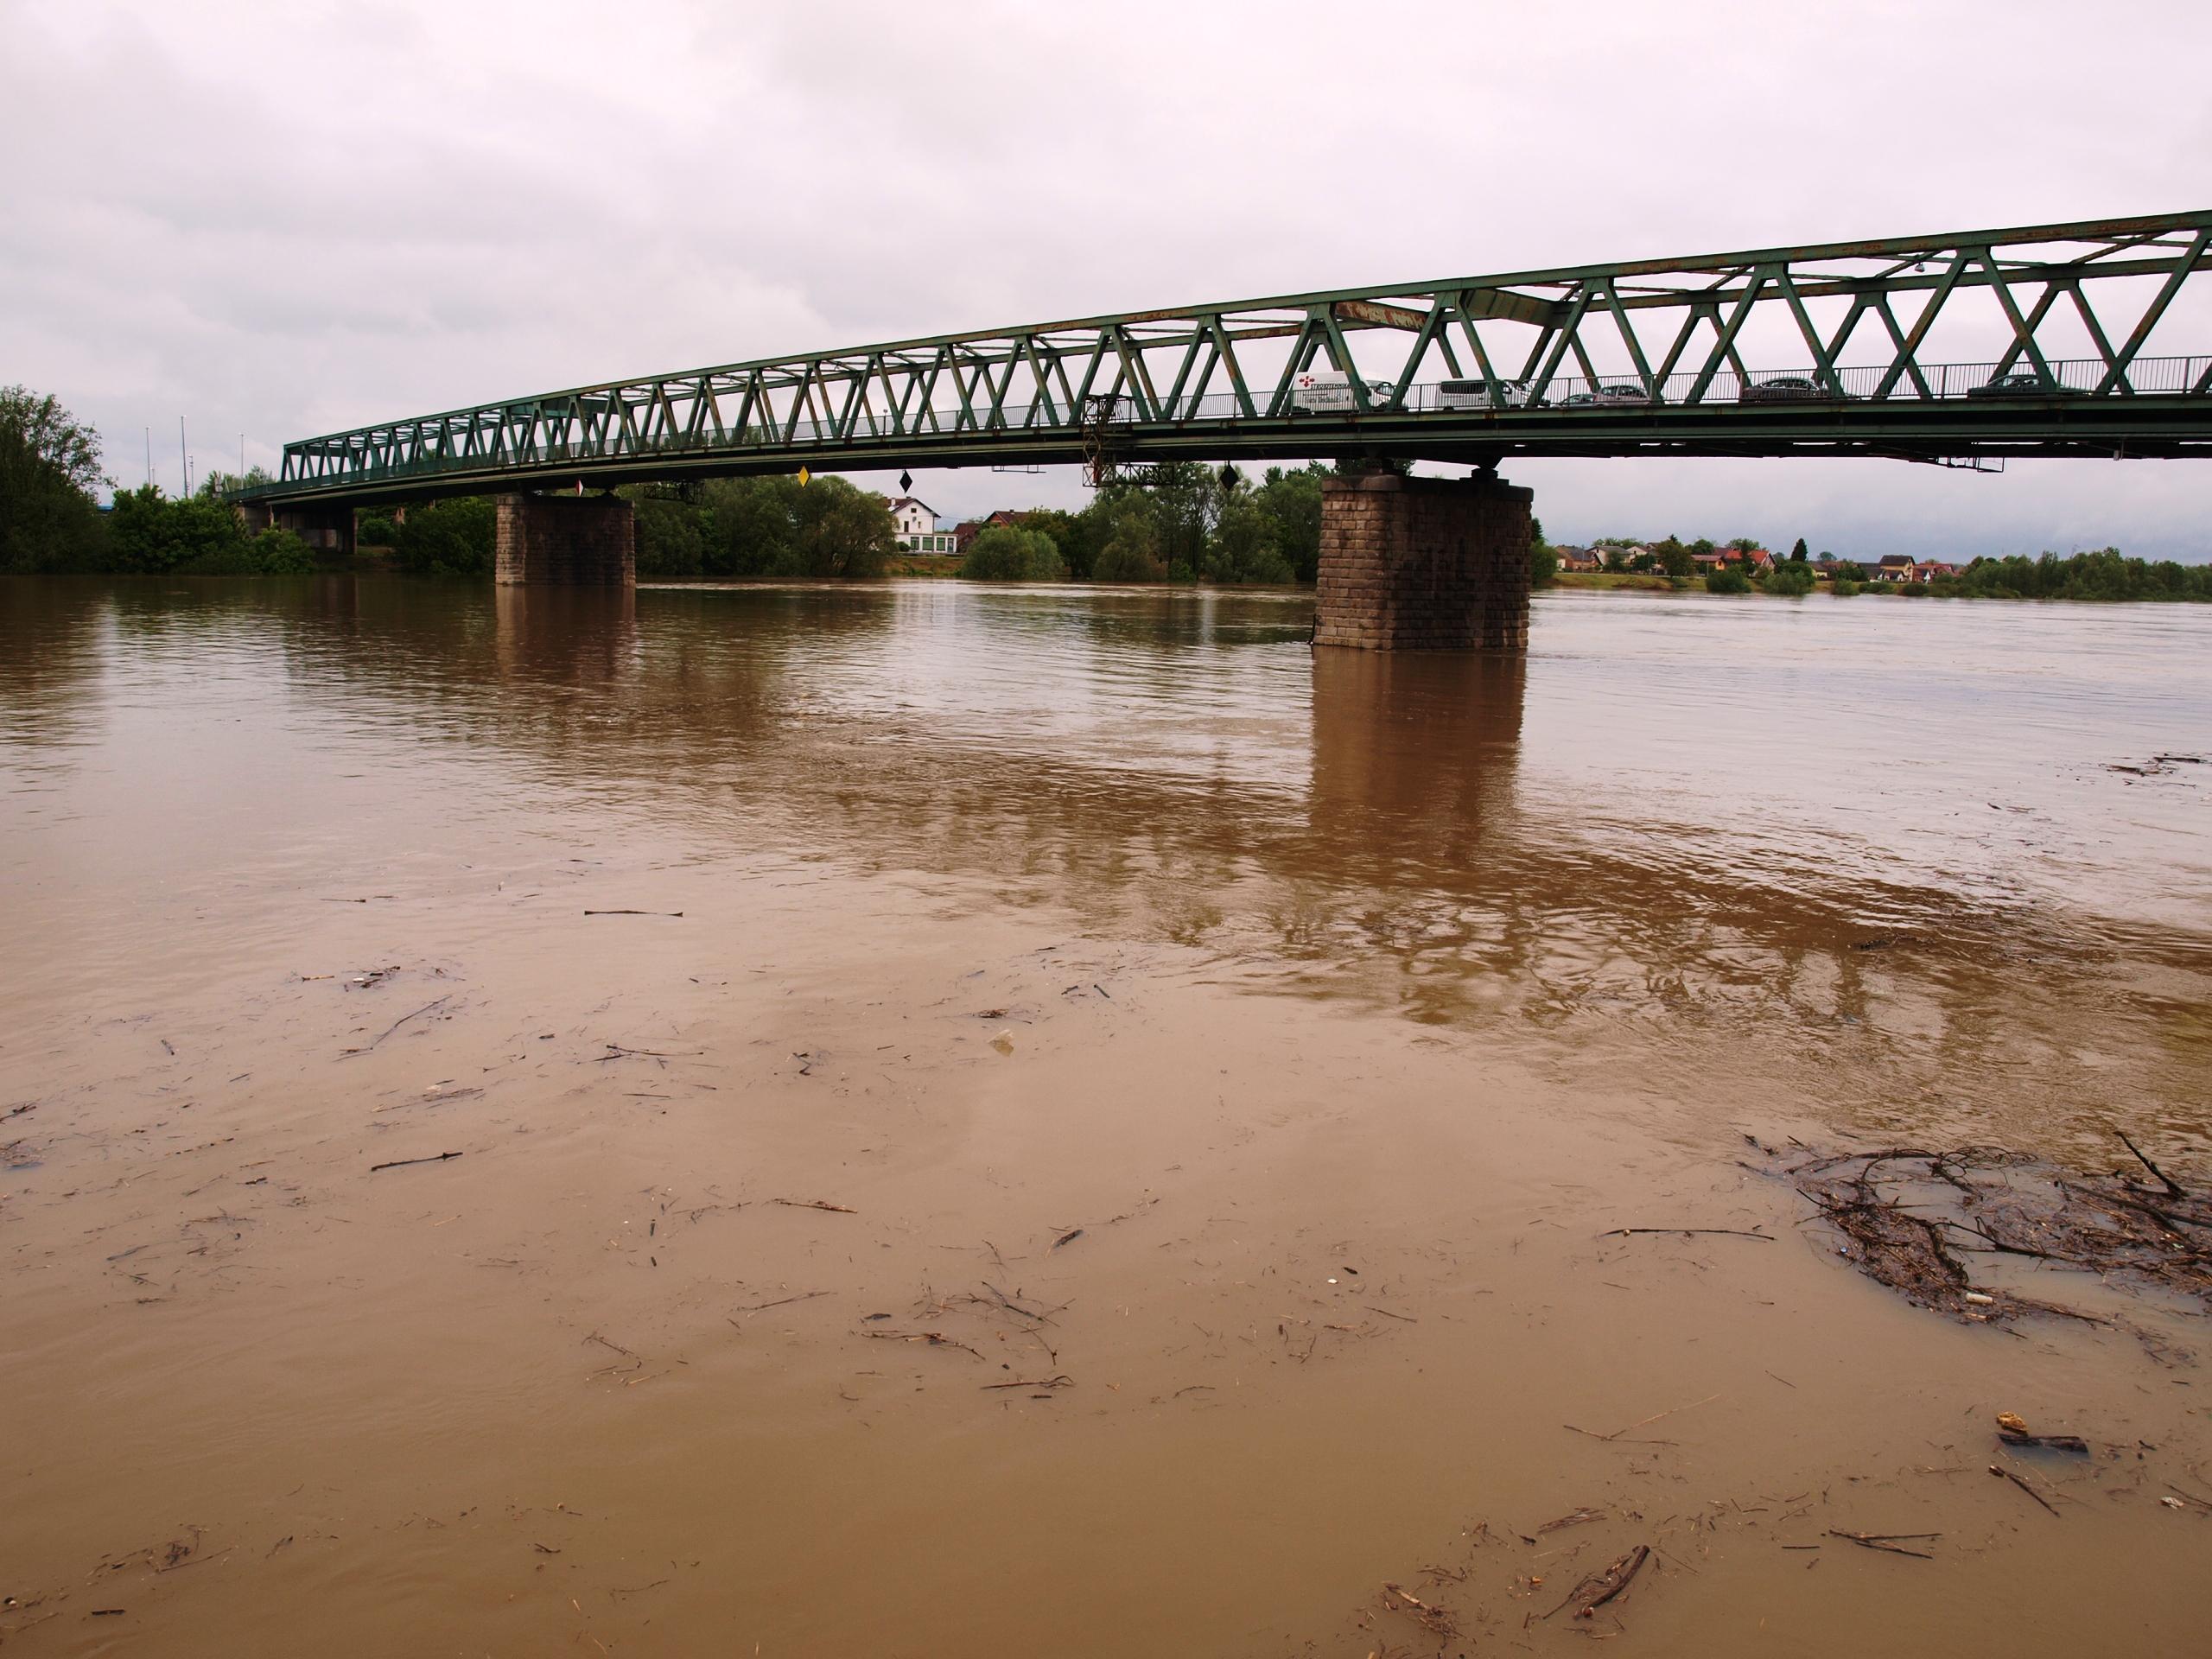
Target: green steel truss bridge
{"points": [[2085, 339]]}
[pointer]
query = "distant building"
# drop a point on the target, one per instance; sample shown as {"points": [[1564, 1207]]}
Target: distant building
{"points": [[916, 525], [1579, 558], [968, 529]]}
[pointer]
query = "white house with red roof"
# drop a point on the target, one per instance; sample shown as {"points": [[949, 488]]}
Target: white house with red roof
{"points": [[917, 525]]}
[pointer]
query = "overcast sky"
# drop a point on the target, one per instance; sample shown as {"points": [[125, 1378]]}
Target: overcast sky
{"points": [[279, 220]]}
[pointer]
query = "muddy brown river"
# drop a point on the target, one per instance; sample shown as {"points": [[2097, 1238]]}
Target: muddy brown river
{"points": [[919, 1119]]}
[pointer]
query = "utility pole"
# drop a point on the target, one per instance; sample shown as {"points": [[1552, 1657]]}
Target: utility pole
{"points": [[149, 457], [183, 456]]}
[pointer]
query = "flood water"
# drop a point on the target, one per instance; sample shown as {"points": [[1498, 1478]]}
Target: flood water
{"points": [[1064, 1121]]}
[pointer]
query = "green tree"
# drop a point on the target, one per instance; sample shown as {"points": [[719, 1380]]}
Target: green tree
{"points": [[748, 525], [452, 537], [1243, 546], [1292, 500], [1727, 580], [280, 553], [1004, 553], [1797, 552], [1070, 535], [840, 530], [49, 468], [229, 484], [1677, 560], [1544, 565], [1792, 579], [671, 531], [1131, 551], [151, 535]]}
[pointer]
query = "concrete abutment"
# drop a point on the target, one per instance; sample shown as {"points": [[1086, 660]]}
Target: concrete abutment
{"points": [[1423, 563], [575, 541]]}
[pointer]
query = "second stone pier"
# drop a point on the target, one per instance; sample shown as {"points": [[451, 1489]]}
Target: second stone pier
{"points": [[1423, 563], [575, 541]]}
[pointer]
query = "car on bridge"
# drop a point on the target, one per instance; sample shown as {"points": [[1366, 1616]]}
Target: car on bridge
{"points": [[1330, 391], [1785, 389], [2021, 385], [1608, 397], [1477, 394]]}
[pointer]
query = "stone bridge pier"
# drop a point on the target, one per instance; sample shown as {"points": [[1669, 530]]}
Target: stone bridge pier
{"points": [[1423, 563], [575, 541]]}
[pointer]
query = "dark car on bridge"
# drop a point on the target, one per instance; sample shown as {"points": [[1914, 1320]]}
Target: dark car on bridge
{"points": [[1617, 396], [1784, 388], [2020, 386]]}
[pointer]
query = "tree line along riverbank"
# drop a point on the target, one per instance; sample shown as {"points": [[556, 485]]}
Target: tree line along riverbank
{"points": [[1187, 524]]}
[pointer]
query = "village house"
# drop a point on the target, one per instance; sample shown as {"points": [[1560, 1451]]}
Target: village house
{"points": [[1579, 558], [968, 529], [916, 522]]}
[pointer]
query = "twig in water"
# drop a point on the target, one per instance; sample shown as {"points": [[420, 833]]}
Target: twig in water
{"points": [[1014, 1307], [1887, 1541], [633, 912], [2007, 1474], [782, 1301], [1041, 1383], [428, 1008], [402, 1163], [935, 1338], [815, 1203], [2164, 1180], [1684, 1232], [1641, 1422], [1600, 1588]]}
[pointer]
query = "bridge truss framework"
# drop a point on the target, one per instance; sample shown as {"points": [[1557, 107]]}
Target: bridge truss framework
{"points": [[2063, 316]]}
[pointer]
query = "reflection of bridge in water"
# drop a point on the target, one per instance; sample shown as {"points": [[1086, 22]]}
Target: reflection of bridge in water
{"points": [[2083, 338]]}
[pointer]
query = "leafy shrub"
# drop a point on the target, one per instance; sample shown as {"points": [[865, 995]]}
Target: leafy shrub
{"points": [[672, 536], [1246, 544], [1004, 553], [281, 553], [1131, 552], [1793, 580], [1543, 566], [451, 537], [1727, 580]]}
